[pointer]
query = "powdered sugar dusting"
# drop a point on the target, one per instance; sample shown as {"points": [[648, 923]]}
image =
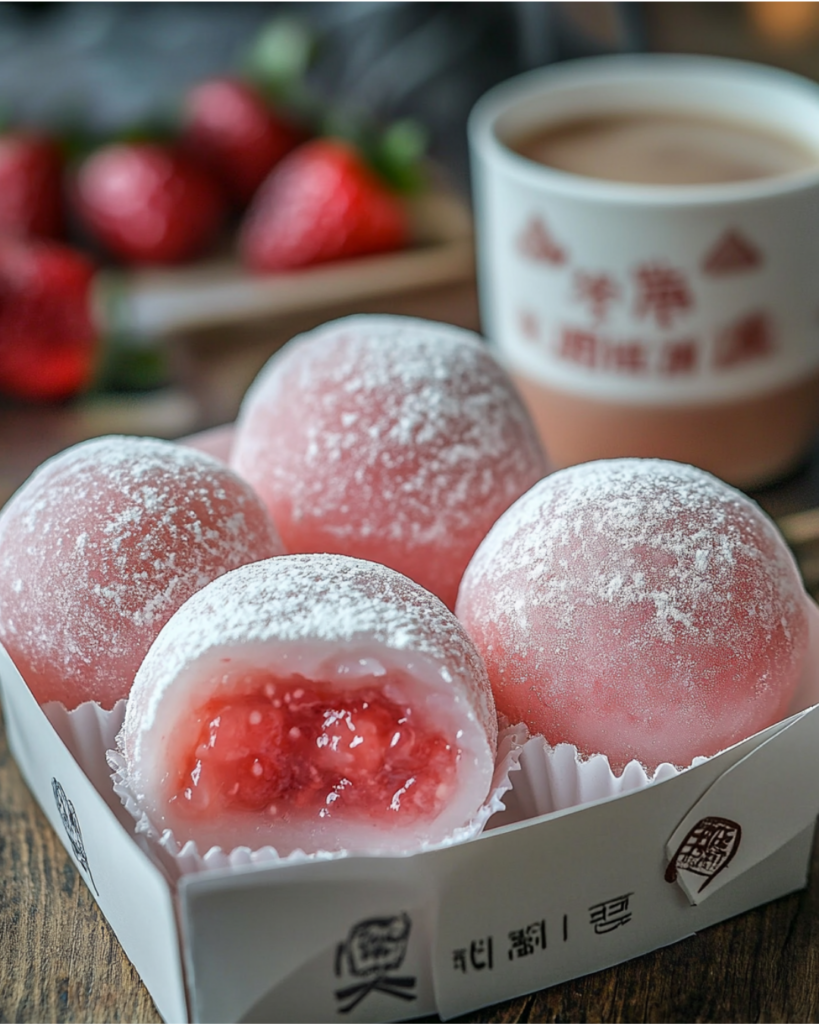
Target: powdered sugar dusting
{"points": [[339, 625], [641, 588], [102, 544], [320, 599], [607, 514], [381, 429]]}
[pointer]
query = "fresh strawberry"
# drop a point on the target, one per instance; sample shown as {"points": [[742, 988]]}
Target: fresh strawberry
{"points": [[48, 342], [321, 203], [31, 190], [147, 203], [229, 127]]}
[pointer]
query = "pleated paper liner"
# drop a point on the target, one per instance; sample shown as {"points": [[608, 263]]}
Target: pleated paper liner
{"points": [[531, 779]]}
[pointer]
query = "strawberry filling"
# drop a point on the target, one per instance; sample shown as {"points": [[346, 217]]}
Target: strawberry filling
{"points": [[277, 746]]}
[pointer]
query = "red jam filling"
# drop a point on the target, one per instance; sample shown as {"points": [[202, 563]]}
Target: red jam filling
{"points": [[277, 746]]}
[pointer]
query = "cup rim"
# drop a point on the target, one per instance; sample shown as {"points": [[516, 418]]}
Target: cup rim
{"points": [[514, 92]]}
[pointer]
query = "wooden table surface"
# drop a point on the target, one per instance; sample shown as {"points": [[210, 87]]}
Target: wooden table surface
{"points": [[59, 960]]}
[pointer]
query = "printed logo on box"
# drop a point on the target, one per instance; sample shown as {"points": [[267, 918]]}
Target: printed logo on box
{"points": [[69, 818], [610, 914], [707, 849], [374, 948]]}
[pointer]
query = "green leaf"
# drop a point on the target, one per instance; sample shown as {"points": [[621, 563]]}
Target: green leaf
{"points": [[398, 155], [126, 369], [280, 56], [129, 361], [161, 127]]}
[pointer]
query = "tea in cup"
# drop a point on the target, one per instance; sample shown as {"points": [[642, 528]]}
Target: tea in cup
{"points": [[648, 239]]}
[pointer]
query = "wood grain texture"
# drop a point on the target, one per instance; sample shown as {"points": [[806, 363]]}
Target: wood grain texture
{"points": [[59, 960]]}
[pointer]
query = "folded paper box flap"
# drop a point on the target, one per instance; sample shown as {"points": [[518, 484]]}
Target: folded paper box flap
{"points": [[584, 889], [345, 932], [131, 892], [751, 810]]}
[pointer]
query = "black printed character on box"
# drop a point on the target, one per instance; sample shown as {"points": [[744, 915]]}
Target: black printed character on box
{"points": [[478, 957], [373, 949], [71, 822], [610, 914], [524, 941]]}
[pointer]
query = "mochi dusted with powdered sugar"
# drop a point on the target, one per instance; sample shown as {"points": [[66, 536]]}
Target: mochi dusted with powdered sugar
{"points": [[312, 702], [390, 439], [99, 548], [638, 608]]}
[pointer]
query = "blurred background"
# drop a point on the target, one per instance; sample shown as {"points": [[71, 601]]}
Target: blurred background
{"points": [[110, 65], [113, 64], [173, 343]]}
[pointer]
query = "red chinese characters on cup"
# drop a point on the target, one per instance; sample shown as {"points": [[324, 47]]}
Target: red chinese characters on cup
{"points": [[535, 242], [643, 309], [655, 296]]}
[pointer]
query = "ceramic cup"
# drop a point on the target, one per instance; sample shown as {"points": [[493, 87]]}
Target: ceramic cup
{"points": [[677, 322]]}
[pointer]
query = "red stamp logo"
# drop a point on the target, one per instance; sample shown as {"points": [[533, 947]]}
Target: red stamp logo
{"points": [[529, 324], [679, 357], [579, 346]]}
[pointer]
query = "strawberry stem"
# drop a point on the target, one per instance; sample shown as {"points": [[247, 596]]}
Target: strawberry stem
{"points": [[129, 361], [398, 155]]}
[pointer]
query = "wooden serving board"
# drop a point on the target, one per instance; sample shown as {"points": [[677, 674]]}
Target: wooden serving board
{"points": [[219, 293], [219, 323]]}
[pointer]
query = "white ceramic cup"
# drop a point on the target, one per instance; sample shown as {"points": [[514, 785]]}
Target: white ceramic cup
{"points": [[676, 321]]}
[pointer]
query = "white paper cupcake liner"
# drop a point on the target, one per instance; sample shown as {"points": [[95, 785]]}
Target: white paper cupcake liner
{"points": [[557, 778], [89, 732], [184, 858]]}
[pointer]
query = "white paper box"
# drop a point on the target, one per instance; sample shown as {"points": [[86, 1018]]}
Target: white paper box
{"points": [[525, 906]]}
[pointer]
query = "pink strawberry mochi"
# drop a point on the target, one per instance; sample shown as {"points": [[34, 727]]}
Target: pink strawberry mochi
{"points": [[638, 608], [390, 439], [101, 546], [312, 702]]}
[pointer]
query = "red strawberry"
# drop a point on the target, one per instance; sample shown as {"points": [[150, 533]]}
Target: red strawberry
{"points": [[31, 191], [321, 203], [147, 203], [230, 128], [48, 342]]}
